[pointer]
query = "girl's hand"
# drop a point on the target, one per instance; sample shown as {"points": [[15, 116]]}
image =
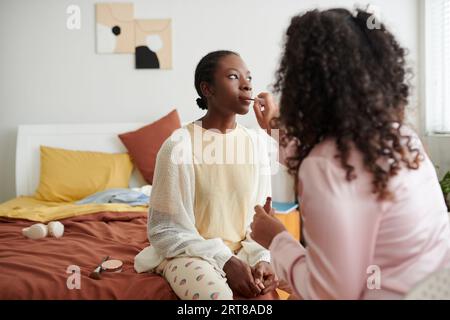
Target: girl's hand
{"points": [[265, 110], [240, 278], [265, 277], [265, 227]]}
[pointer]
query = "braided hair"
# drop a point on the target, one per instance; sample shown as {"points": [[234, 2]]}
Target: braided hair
{"points": [[204, 72]]}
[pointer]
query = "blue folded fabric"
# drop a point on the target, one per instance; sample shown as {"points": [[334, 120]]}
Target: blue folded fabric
{"points": [[117, 195]]}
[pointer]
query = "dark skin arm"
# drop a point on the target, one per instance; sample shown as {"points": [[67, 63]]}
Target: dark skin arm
{"points": [[265, 227], [265, 110], [262, 276], [240, 278]]}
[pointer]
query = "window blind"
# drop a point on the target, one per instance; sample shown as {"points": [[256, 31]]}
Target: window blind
{"points": [[437, 46]]}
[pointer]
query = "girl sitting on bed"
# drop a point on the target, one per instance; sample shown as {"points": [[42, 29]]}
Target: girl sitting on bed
{"points": [[201, 209]]}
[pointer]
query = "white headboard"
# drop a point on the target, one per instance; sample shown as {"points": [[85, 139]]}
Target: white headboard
{"points": [[83, 137]]}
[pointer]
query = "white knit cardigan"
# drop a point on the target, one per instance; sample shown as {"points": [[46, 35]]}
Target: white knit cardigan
{"points": [[171, 219]]}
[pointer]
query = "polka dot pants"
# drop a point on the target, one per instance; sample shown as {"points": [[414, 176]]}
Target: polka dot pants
{"points": [[196, 279]]}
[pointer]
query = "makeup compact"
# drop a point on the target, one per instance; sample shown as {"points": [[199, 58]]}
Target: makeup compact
{"points": [[106, 265], [112, 265]]}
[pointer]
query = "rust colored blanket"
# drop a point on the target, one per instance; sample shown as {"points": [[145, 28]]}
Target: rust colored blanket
{"points": [[37, 269], [41, 269]]}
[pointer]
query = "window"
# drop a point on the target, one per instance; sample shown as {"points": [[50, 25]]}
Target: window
{"points": [[437, 65]]}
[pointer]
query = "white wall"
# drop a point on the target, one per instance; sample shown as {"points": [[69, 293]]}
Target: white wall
{"points": [[49, 74]]}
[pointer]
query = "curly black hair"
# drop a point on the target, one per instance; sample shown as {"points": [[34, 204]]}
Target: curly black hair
{"points": [[204, 72], [342, 76]]}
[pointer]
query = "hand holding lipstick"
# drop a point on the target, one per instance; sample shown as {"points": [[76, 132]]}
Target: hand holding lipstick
{"points": [[265, 225], [265, 110]]}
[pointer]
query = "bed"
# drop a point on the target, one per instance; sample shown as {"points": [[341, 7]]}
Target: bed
{"points": [[59, 268], [48, 268]]}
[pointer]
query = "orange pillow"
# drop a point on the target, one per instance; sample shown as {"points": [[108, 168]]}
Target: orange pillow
{"points": [[143, 144]]}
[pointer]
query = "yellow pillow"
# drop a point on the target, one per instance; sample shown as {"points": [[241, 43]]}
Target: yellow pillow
{"points": [[68, 175]]}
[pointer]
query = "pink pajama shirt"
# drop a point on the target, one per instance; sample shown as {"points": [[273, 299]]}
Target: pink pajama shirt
{"points": [[359, 247]]}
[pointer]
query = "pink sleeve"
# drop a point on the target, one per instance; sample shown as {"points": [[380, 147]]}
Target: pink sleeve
{"points": [[340, 230]]}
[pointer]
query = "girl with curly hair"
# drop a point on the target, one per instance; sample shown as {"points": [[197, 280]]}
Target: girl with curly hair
{"points": [[375, 220]]}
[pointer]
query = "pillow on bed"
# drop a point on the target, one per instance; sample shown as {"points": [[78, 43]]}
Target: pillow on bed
{"points": [[144, 143], [68, 175]]}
